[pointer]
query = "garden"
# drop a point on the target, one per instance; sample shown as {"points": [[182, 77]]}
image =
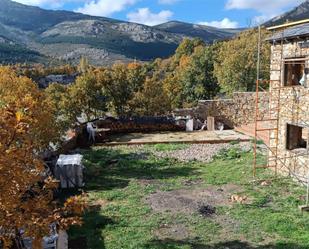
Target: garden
{"points": [[148, 196]]}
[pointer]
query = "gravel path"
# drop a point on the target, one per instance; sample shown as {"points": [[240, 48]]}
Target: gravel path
{"points": [[197, 152], [200, 152]]}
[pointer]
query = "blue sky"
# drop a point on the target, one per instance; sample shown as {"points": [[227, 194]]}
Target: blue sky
{"points": [[219, 13]]}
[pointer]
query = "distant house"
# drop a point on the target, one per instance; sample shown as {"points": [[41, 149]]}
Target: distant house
{"points": [[57, 78], [289, 105]]}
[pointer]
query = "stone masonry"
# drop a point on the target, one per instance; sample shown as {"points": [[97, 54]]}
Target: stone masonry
{"points": [[238, 110], [294, 110]]}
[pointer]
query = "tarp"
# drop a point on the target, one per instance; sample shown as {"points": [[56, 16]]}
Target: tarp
{"points": [[70, 160], [69, 171]]}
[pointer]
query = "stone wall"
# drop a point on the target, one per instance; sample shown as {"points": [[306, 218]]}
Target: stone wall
{"points": [[139, 124], [238, 110], [294, 109]]}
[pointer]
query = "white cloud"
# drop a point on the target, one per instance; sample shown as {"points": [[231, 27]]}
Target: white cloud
{"points": [[263, 6], [259, 20], [267, 8], [145, 16], [50, 3], [168, 1], [105, 7], [90, 7], [225, 23]]}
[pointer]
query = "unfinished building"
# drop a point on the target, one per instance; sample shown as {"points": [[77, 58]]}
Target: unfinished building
{"points": [[288, 119]]}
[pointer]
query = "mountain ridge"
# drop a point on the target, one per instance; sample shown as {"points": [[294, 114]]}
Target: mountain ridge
{"points": [[298, 13], [35, 35], [65, 36], [207, 33]]}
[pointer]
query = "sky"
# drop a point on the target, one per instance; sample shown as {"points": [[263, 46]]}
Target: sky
{"points": [[217, 13]]}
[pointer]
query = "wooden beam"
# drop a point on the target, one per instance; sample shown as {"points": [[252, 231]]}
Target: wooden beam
{"points": [[304, 208], [290, 24], [218, 141]]}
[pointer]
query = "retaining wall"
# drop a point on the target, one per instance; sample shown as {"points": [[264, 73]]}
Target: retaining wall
{"points": [[238, 110]]}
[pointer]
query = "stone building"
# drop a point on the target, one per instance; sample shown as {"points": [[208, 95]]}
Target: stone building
{"points": [[289, 99], [63, 79]]}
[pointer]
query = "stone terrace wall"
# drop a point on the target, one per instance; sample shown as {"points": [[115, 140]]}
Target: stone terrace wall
{"points": [[139, 124], [238, 110], [294, 109]]}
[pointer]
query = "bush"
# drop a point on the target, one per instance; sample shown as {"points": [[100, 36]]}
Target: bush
{"points": [[229, 154]]}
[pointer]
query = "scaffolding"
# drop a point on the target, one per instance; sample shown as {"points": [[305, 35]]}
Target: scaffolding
{"points": [[273, 118], [273, 115]]}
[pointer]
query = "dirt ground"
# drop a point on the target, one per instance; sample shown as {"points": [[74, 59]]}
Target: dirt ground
{"points": [[191, 200], [202, 201]]}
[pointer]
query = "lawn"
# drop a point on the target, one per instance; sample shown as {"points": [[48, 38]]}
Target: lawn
{"points": [[138, 200]]}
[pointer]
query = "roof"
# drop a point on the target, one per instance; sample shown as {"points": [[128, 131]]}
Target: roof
{"points": [[288, 24], [301, 30]]}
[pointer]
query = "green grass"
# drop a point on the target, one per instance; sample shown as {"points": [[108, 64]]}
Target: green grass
{"points": [[270, 220], [169, 147]]}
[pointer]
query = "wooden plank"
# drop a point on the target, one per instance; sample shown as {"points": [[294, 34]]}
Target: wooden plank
{"points": [[219, 141], [289, 24], [304, 208]]}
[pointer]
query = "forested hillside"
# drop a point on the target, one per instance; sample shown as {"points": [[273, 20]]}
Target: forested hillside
{"points": [[64, 37]]}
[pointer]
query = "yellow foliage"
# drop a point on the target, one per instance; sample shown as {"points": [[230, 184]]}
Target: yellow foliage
{"points": [[152, 99], [18, 115], [27, 125]]}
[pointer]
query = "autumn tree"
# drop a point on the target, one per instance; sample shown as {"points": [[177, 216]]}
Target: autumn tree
{"points": [[152, 99], [58, 97], [196, 75], [136, 75], [27, 126], [35, 72], [236, 61], [187, 47], [83, 66], [174, 90], [189, 74], [120, 83], [85, 98], [114, 82], [80, 102]]}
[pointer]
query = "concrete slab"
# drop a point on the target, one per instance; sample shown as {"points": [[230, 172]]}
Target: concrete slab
{"points": [[178, 137]]}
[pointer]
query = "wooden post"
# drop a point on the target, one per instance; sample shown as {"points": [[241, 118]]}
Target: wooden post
{"points": [[210, 123], [62, 242]]}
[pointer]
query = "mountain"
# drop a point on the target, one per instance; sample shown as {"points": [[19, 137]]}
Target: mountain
{"points": [[32, 34], [299, 13], [207, 33]]}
